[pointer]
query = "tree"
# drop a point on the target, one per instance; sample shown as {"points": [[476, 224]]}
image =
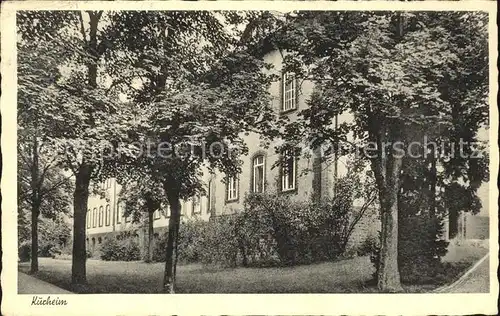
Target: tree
{"points": [[195, 99], [42, 185], [143, 196], [387, 70], [201, 125], [84, 113], [100, 60]]}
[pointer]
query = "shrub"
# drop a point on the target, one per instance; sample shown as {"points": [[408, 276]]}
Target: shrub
{"points": [[368, 246], [123, 247], [219, 245], [274, 227], [25, 251], [191, 235], [45, 249], [270, 230], [160, 247], [110, 249], [48, 249]]}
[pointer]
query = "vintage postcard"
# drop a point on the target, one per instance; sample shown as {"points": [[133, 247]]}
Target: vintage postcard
{"points": [[249, 158]]}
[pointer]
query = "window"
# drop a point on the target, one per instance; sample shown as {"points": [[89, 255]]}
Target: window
{"points": [[89, 218], [196, 205], [101, 215], [118, 214], [108, 215], [209, 196], [156, 215], [128, 218], [232, 188], [94, 217], [258, 174], [167, 211], [288, 172], [289, 92]]}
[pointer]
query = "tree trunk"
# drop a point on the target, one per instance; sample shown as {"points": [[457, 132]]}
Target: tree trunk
{"points": [[149, 255], [80, 204], [35, 202], [35, 210], [432, 185], [453, 223], [173, 235], [83, 176], [388, 275], [387, 172]]}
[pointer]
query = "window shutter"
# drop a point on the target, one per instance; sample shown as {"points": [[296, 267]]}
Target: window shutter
{"points": [[279, 184], [238, 188], [282, 94], [213, 196], [252, 175], [296, 87], [296, 171], [317, 177], [226, 189]]}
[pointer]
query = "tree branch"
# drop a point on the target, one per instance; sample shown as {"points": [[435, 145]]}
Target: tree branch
{"points": [[82, 29]]}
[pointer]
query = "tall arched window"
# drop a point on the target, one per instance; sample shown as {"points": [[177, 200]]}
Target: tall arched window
{"points": [[258, 165], [108, 215], [89, 219], [94, 217], [196, 205], [288, 172], [101, 215], [232, 187], [289, 92], [118, 214]]}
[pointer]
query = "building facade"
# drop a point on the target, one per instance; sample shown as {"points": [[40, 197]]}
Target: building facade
{"points": [[105, 216], [226, 195], [298, 177]]}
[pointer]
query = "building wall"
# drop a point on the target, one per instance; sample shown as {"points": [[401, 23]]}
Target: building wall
{"points": [[97, 230], [477, 227], [319, 179]]}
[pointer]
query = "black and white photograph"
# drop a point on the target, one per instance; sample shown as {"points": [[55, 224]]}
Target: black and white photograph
{"points": [[250, 151]]}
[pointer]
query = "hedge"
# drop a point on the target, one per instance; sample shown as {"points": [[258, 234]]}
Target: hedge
{"points": [[122, 247], [270, 230]]}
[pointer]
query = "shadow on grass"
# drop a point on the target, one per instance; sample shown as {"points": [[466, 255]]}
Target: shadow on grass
{"points": [[344, 276]]}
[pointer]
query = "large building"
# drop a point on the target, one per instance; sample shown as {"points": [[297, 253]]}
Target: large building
{"points": [[226, 195]]}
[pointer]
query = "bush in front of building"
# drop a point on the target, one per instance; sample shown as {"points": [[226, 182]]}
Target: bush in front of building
{"points": [[219, 244], [122, 247], [47, 249], [191, 234], [367, 246], [211, 243], [24, 251], [271, 230], [274, 226]]}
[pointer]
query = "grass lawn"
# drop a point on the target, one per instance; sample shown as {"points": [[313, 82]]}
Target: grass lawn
{"points": [[343, 276]]}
